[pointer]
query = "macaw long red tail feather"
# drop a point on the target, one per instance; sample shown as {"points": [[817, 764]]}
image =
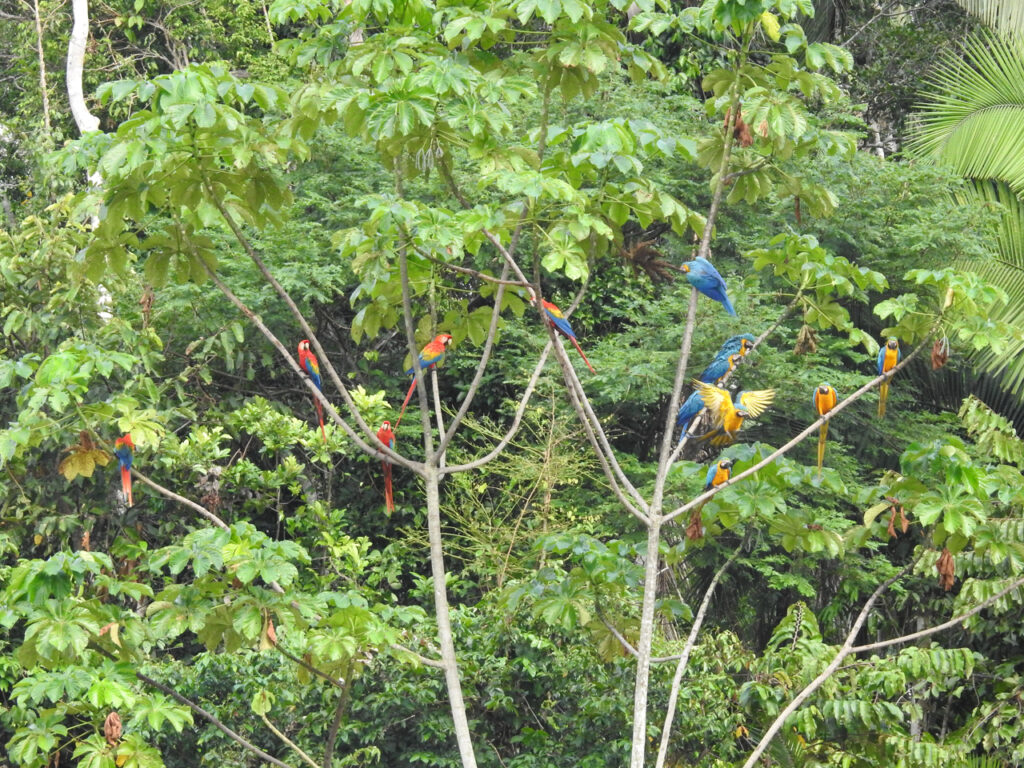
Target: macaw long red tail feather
{"points": [[320, 415], [389, 494], [580, 350], [821, 445], [883, 392], [126, 485], [408, 394]]}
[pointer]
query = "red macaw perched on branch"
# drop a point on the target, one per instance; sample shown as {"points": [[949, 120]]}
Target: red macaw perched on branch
{"points": [[560, 324], [308, 363], [825, 399], [386, 436], [123, 449], [889, 357], [430, 356]]}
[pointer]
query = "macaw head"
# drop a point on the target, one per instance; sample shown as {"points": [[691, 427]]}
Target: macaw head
{"points": [[303, 348], [444, 338], [385, 425], [892, 343], [824, 389], [742, 412], [726, 463], [745, 346], [685, 267]]}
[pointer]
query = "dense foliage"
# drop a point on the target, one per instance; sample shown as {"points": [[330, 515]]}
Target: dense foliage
{"points": [[371, 174]]}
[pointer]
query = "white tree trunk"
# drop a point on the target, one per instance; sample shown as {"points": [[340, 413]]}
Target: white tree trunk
{"points": [[84, 119]]}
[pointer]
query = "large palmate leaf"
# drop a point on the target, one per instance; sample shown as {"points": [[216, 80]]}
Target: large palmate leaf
{"points": [[1006, 270], [973, 120], [1005, 16], [973, 117]]}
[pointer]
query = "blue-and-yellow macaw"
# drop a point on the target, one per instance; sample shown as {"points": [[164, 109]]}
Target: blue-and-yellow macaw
{"points": [[309, 363], [560, 324], [386, 436], [688, 412], [740, 344], [825, 399], [719, 367], [124, 450], [889, 357], [702, 275], [728, 417], [430, 357], [718, 473]]}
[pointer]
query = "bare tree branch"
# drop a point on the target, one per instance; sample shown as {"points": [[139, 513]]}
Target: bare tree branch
{"points": [[684, 657], [826, 673], [295, 747], [800, 437]]}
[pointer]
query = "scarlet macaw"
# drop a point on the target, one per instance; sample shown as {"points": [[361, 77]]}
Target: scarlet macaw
{"points": [[728, 418], [309, 363], [825, 399], [386, 436], [123, 449], [705, 278], [889, 357], [430, 356], [719, 367], [560, 324]]}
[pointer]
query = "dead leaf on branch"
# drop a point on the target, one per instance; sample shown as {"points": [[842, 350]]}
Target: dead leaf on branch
{"points": [[946, 569], [897, 510], [940, 353], [806, 341], [83, 458], [112, 729], [695, 529]]}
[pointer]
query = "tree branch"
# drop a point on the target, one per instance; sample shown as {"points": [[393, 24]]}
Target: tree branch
{"points": [[800, 437], [684, 657], [375, 451], [939, 627], [199, 711], [322, 354], [306, 758], [825, 674]]}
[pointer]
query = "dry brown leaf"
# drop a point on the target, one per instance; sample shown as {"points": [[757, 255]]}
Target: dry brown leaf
{"points": [[946, 569], [695, 529], [940, 353], [112, 729]]}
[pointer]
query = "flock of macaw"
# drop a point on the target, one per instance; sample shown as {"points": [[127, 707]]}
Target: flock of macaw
{"points": [[727, 412]]}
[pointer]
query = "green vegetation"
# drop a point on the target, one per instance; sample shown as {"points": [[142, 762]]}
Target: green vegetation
{"points": [[554, 586]]}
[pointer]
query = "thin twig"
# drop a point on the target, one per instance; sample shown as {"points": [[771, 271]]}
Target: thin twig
{"points": [[181, 500], [201, 712], [306, 758]]}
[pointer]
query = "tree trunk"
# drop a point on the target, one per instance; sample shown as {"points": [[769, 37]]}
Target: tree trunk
{"points": [[444, 626], [85, 120]]}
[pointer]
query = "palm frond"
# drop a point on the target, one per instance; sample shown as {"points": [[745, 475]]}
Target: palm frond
{"points": [[973, 118], [1005, 16]]}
